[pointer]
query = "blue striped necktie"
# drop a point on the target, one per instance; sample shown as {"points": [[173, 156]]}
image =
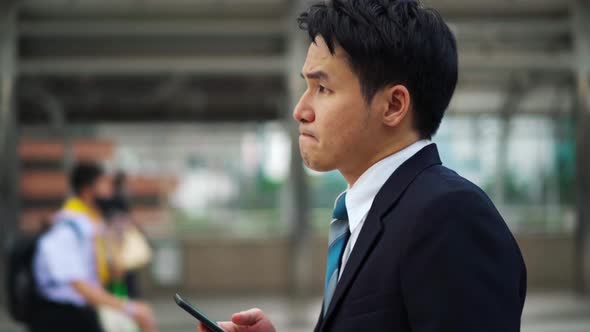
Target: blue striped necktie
{"points": [[338, 237]]}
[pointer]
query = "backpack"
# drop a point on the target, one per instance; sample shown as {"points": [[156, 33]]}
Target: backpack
{"points": [[21, 287]]}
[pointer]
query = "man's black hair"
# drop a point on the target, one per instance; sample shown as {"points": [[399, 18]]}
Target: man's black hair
{"points": [[392, 42], [84, 175]]}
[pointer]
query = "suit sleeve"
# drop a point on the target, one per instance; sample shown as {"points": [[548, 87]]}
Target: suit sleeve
{"points": [[462, 270]]}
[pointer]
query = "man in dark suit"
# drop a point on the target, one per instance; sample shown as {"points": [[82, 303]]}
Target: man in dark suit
{"points": [[413, 246]]}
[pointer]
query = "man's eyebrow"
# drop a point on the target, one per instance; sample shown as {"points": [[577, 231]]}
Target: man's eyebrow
{"points": [[315, 75]]}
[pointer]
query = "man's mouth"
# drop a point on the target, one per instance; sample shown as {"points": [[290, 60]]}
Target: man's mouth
{"points": [[306, 133]]}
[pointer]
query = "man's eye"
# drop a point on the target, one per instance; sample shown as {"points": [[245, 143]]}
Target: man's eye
{"points": [[322, 89]]}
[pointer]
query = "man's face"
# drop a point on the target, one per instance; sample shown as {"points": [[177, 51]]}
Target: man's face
{"points": [[335, 121]]}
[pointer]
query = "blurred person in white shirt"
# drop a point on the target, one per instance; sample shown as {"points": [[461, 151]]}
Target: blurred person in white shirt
{"points": [[71, 265]]}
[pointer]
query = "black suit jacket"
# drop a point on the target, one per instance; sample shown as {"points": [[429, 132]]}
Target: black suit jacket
{"points": [[434, 255]]}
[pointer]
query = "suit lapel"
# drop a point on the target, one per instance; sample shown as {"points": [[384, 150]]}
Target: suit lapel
{"points": [[318, 325], [386, 198]]}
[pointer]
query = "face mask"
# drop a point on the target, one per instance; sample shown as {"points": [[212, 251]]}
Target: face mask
{"points": [[104, 205]]}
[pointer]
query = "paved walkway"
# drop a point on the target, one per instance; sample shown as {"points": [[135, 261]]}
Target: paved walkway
{"points": [[554, 312]]}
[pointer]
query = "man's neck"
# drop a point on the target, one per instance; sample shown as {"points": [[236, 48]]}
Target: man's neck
{"points": [[355, 173]]}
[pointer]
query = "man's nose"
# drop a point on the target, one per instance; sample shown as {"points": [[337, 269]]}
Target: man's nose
{"points": [[303, 112]]}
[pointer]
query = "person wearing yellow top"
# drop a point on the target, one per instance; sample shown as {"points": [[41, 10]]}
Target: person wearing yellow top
{"points": [[71, 264]]}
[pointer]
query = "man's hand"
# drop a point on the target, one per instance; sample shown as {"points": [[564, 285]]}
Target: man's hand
{"points": [[143, 315], [140, 312], [253, 320]]}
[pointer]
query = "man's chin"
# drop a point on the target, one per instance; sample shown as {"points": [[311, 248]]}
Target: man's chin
{"points": [[316, 166]]}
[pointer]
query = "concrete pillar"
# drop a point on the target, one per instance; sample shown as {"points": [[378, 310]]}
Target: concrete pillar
{"points": [[502, 156], [296, 211], [581, 32], [514, 94], [9, 197]]}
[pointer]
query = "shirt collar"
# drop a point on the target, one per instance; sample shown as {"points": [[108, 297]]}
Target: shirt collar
{"points": [[76, 205], [359, 197]]}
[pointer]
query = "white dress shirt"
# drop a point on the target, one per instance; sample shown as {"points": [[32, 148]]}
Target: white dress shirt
{"points": [[65, 255], [359, 197]]}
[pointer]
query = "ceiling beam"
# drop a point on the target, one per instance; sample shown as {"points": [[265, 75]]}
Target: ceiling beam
{"points": [[154, 28], [510, 29], [463, 28], [211, 65], [518, 61], [495, 7], [263, 65], [138, 8]]}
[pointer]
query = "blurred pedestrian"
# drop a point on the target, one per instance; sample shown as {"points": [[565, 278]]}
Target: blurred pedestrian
{"points": [[131, 241], [71, 265]]}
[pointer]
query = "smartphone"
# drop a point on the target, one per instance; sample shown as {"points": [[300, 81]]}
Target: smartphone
{"points": [[200, 316]]}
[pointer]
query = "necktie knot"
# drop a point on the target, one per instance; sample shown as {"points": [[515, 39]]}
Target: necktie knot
{"points": [[340, 212]]}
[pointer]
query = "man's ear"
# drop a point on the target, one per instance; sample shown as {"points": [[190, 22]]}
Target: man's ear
{"points": [[398, 105]]}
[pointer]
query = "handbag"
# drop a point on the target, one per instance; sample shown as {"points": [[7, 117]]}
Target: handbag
{"points": [[135, 250]]}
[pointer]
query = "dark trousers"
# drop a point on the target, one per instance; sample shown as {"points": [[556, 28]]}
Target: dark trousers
{"points": [[56, 317], [132, 282]]}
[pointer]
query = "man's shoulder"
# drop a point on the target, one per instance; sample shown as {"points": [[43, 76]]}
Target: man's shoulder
{"points": [[439, 186], [442, 181], [68, 223], [441, 201]]}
